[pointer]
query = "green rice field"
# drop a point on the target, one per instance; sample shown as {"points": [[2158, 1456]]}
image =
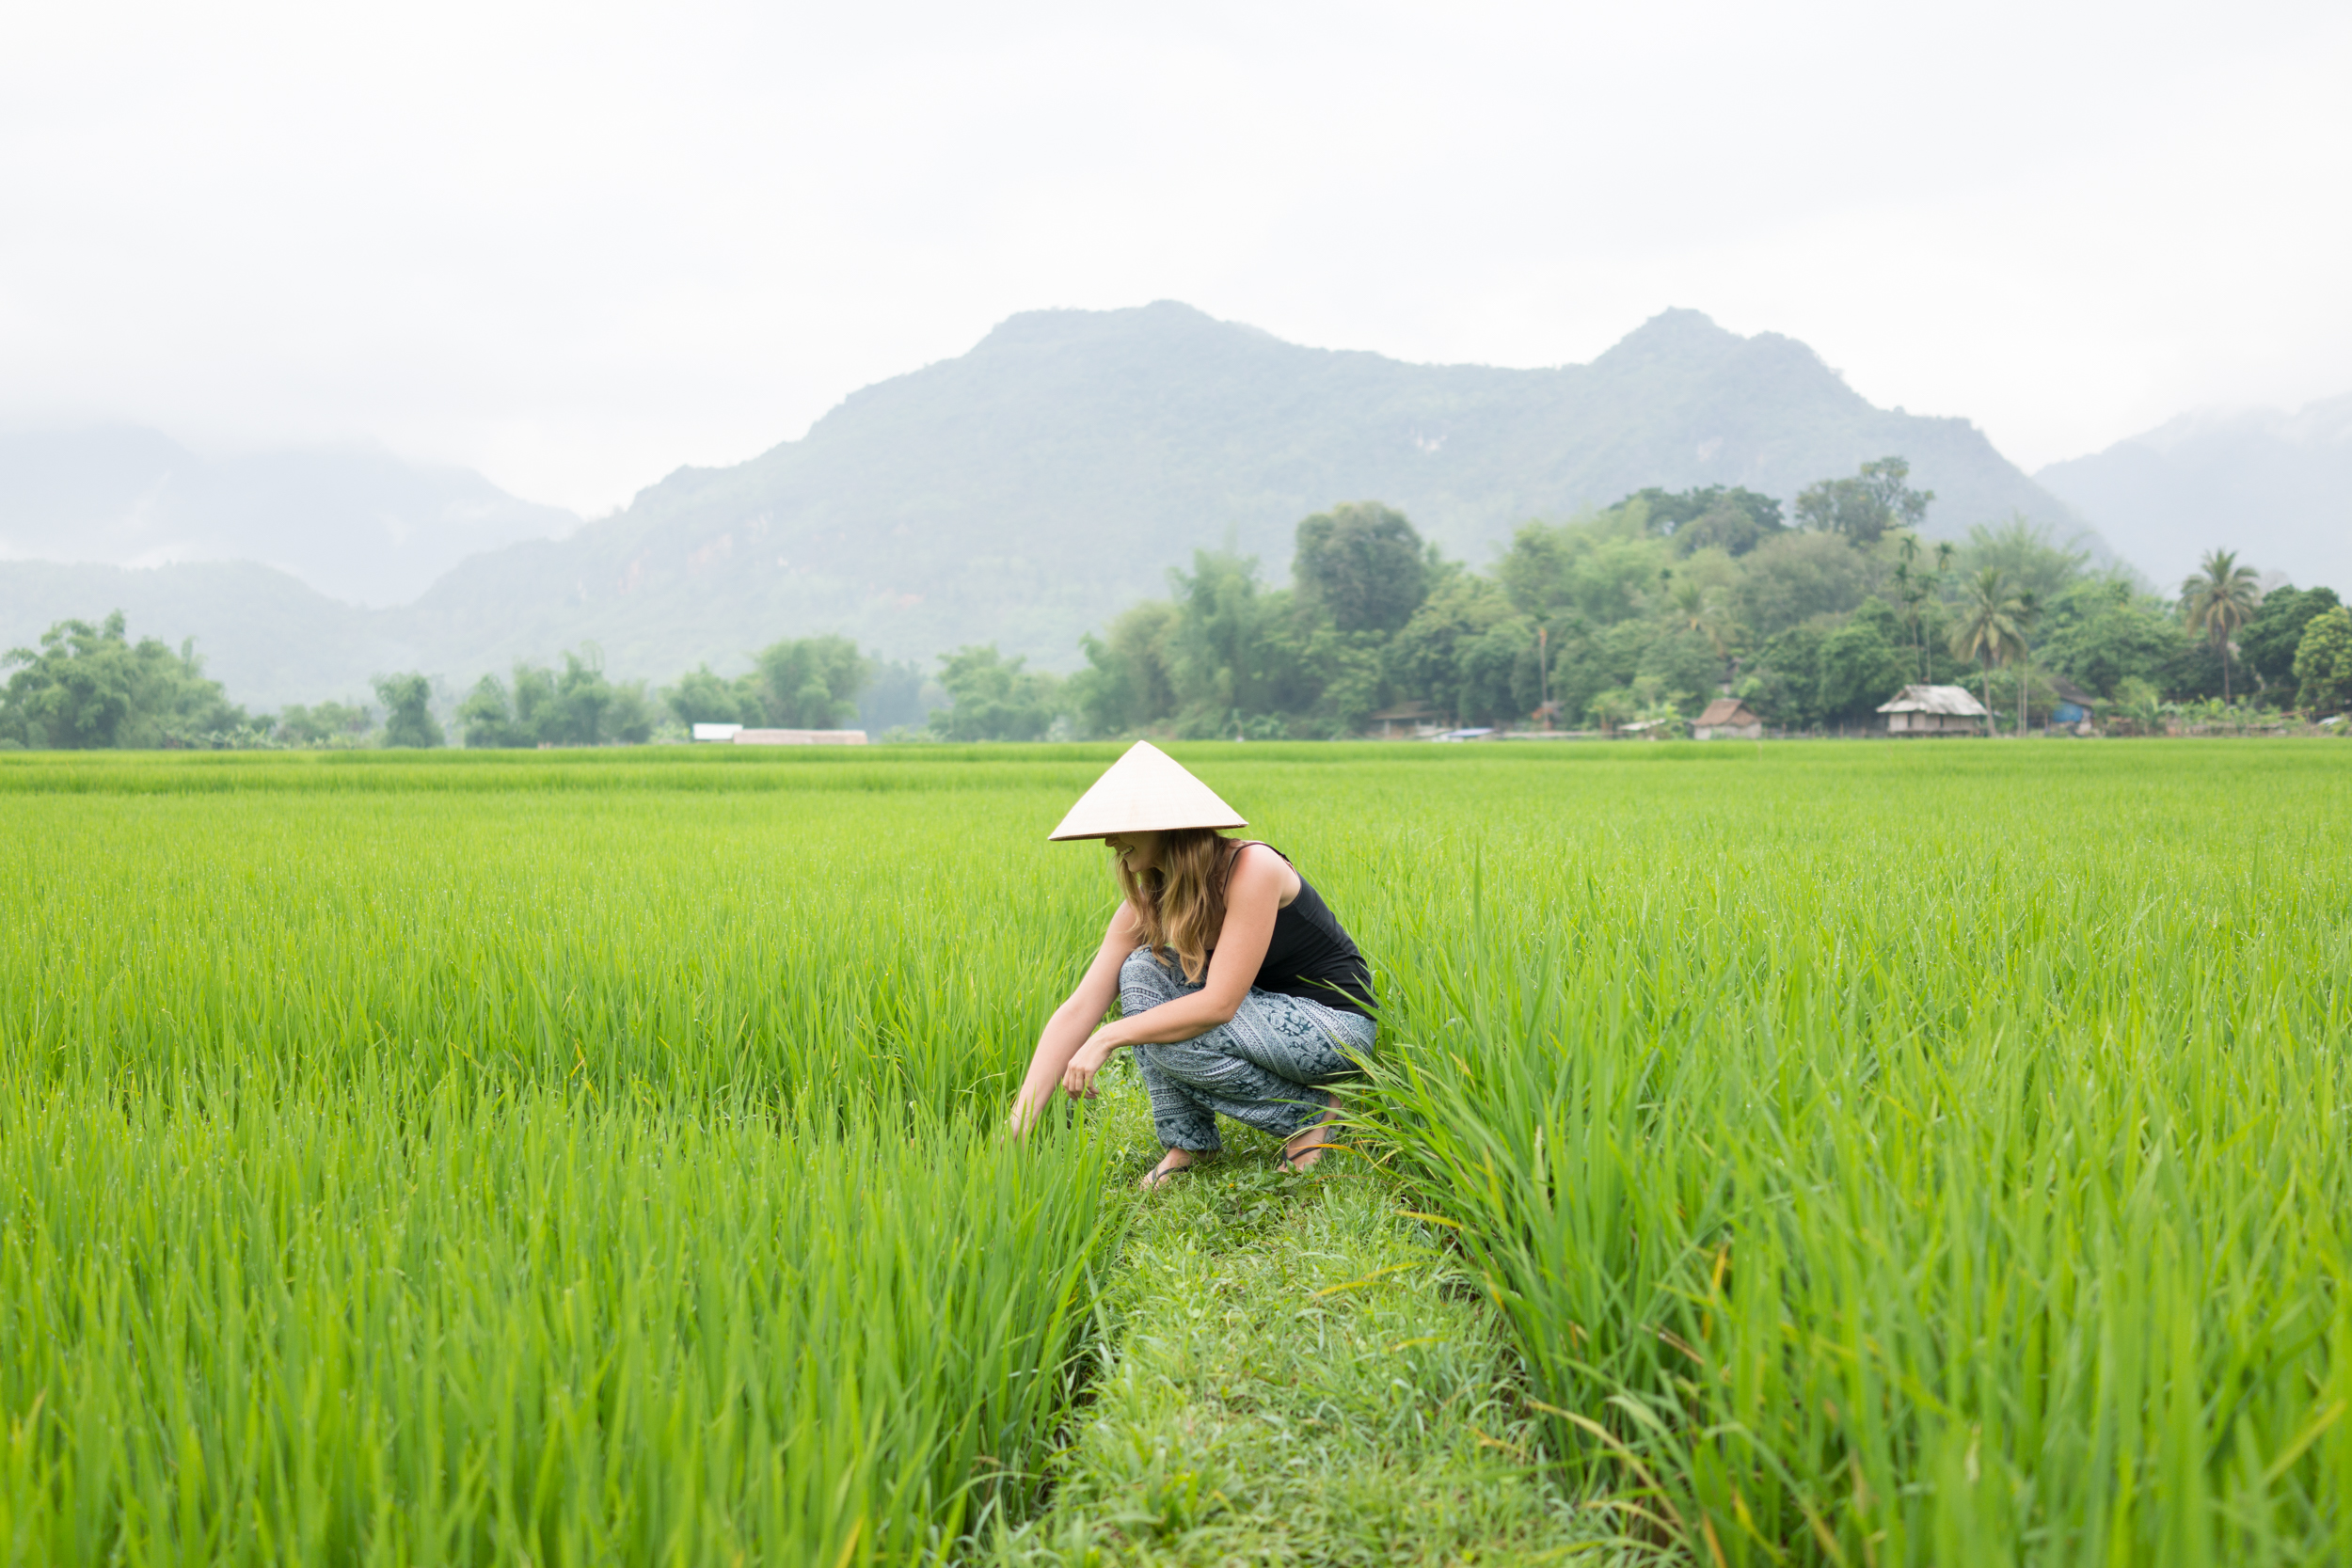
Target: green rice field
{"points": [[1855, 1153]]}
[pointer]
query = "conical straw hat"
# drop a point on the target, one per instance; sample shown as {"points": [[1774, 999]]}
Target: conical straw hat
{"points": [[1146, 791]]}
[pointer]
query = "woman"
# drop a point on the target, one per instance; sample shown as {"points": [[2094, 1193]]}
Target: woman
{"points": [[1241, 994]]}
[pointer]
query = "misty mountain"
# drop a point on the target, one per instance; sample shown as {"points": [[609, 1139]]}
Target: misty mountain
{"points": [[270, 637], [2274, 487], [1025, 491], [357, 524]]}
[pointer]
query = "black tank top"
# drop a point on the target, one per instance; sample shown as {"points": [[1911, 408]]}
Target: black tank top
{"points": [[1311, 955]]}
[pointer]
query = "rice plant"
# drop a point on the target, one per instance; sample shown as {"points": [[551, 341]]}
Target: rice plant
{"points": [[1880, 1155], [417, 1176], [1938, 1158]]}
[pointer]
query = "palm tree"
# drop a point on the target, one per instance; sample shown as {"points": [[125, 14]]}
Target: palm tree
{"points": [[1694, 610], [1912, 588], [1987, 630], [1688, 600], [2217, 599], [2028, 611]]}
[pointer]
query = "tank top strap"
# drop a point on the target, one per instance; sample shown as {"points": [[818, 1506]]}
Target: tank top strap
{"points": [[1234, 858]]}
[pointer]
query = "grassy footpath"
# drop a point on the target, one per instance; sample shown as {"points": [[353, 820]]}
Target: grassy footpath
{"points": [[1296, 1370]]}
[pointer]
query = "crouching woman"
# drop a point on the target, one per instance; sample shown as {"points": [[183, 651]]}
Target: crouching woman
{"points": [[1240, 993]]}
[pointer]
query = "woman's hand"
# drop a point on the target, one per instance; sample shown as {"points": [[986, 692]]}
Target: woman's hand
{"points": [[1077, 1079], [1066, 1032]]}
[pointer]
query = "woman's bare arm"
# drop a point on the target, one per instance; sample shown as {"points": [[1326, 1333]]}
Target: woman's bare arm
{"points": [[1066, 1031], [1252, 897]]}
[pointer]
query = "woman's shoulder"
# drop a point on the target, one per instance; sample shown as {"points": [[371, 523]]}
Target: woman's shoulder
{"points": [[1260, 861]]}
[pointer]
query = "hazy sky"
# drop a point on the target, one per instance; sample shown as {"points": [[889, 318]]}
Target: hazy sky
{"points": [[576, 245]]}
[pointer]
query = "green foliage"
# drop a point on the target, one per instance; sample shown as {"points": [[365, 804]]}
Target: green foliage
{"points": [[1127, 685], [1361, 567], [487, 717], [701, 696], [1786, 680], [90, 686], [2102, 635], [993, 698], [897, 696], [1220, 654], [1728, 518], [327, 723], [2220, 597], [2023, 552], [810, 683], [814, 683], [1861, 665], [1792, 578], [1461, 649], [2322, 664], [574, 707], [2271, 639], [1603, 569], [1990, 627], [409, 719], [1661, 600], [1865, 509]]}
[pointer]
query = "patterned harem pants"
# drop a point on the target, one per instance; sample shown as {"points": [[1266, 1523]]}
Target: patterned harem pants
{"points": [[1264, 1068]]}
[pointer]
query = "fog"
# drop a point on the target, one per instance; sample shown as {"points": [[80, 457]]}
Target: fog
{"points": [[577, 246]]}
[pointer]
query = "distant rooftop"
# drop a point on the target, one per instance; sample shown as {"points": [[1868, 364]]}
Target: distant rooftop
{"points": [[1951, 700]]}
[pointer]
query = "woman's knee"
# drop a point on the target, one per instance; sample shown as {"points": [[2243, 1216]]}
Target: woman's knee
{"points": [[1145, 982], [1206, 1061]]}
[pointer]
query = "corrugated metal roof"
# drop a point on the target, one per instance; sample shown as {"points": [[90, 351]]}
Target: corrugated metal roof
{"points": [[1952, 700]]}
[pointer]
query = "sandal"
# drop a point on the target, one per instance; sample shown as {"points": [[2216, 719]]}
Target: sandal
{"points": [[1162, 1174], [1292, 1163]]}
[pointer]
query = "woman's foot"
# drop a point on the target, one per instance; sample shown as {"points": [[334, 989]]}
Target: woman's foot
{"points": [[1304, 1149], [1172, 1165]]}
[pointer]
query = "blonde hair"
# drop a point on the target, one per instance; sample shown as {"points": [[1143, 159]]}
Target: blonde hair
{"points": [[1182, 900]]}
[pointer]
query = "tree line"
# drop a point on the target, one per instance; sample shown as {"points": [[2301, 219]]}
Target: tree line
{"points": [[1642, 610], [1652, 607]]}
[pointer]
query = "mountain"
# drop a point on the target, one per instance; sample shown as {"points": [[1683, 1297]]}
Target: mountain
{"points": [[1025, 491], [1028, 490], [267, 637], [2274, 487], [355, 524]]}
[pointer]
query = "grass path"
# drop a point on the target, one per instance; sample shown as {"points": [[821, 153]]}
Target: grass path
{"points": [[1297, 1371]]}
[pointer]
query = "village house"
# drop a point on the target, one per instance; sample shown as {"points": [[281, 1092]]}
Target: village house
{"points": [[2071, 705], [1728, 718], [1933, 710], [1417, 720]]}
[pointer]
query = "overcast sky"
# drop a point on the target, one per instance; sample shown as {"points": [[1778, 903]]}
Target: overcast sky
{"points": [[577, 244]]}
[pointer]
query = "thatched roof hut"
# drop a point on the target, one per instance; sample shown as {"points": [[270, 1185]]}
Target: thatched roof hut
{"points": [[1933, 710], [1728, 718]]}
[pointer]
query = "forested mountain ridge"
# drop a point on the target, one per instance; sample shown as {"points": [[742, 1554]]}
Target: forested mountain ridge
{"points": [[1021, 493], [1025, 492]]}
